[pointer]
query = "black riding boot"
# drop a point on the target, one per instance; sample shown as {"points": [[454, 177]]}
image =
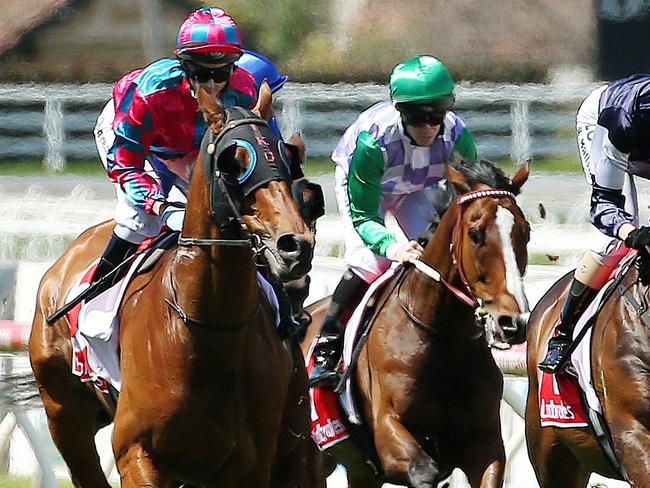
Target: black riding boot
{"points": [[579, 297], [117, 250], [327, 352]]}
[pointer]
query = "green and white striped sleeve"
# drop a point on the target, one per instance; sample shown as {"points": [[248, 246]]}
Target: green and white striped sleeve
{"points": [[364, 192]]}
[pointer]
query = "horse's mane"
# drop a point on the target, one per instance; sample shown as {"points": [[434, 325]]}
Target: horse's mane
{"points": [[476, 172], [485, 172]]}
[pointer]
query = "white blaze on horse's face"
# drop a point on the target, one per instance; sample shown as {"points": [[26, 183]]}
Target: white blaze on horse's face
{"points": [[514, 282]]}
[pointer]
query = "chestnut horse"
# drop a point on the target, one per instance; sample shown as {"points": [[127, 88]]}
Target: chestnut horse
{"points": [[211, 396], [427, 385], [620, 361]]}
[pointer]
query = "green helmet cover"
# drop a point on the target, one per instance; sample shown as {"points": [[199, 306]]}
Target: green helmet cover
{"points": [[421, 79]]}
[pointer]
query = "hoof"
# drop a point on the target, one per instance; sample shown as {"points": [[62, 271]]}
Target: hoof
{"points": [[423, 472]]}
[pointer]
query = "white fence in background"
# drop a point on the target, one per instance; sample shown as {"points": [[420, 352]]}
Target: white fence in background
{"points": [[55, 122]]}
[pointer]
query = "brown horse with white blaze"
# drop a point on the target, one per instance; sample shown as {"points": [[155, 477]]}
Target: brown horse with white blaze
{"points": [[427, 385], [211, 396], [620, 361]]}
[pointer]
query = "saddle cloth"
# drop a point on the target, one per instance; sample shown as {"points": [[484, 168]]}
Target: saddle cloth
{"points": [[559, 397], [328, 425], [94, 328]]}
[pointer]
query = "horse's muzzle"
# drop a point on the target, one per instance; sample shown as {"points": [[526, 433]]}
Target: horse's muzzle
{"points": [[291, 258], [514, 327]]}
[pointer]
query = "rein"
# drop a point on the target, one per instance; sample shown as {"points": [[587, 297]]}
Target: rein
{"points": [[467, 296], [187, 320]]}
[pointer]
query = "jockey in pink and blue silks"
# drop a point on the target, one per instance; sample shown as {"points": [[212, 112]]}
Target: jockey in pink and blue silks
{"points": [[148, 135], [390, 160]]}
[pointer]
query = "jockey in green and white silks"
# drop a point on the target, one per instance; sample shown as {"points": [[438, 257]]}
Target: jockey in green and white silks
{"points": [[390, 160], [380, 169]]}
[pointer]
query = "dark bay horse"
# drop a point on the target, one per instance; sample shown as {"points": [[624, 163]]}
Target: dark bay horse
{"points": [[620, 362], [210, 394], [427, 385]]}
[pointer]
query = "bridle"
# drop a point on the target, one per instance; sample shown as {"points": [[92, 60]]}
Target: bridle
{"points": [[466, 295], [268, 163], [243, 128]]}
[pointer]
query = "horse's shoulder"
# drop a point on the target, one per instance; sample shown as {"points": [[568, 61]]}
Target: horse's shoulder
{"points": [[537, 325], [60, 277]]}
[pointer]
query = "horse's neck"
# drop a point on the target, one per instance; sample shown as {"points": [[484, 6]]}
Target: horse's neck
{"points": [[435, 302], [213, 283]]}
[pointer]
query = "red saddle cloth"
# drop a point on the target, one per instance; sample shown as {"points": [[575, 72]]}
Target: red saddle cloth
{"points": [[328, 423], [560, 404], [329, 420], [83, 358]]}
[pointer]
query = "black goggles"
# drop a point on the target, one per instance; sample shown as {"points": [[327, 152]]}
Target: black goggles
{"points": [[418, 114], [419, 119], [202, 73]]}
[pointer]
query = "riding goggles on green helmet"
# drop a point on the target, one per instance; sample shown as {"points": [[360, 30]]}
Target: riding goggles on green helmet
{"points": [[202, 73], [418, 114]]}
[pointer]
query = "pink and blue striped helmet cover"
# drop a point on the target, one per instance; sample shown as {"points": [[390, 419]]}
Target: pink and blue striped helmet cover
{"points": [[208, 30]]}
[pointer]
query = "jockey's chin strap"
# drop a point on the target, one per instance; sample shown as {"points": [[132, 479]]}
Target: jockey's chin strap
{"points": [[467, 296]]}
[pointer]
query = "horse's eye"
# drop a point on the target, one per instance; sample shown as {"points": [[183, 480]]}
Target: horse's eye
{"points": [[476, 236]]}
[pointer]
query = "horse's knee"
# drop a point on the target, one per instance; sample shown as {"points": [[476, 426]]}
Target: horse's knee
{"points": [[137, 468], [423, 471]]}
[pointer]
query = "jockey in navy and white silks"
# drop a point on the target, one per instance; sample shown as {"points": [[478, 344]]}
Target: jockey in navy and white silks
{"points": [[390, 160], [613, 132]]}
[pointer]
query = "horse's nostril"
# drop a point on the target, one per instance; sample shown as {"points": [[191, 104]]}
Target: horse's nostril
{"points": [[506, 322], [288, 244]]}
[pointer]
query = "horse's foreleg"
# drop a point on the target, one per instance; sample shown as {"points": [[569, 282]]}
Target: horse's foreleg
{"points": [[73, 433], [137, 470], [401, 456], [484, 464], [632, 443], [72, 413]]}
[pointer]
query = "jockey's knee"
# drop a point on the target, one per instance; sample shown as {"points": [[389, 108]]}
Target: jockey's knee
{"points": [[594, 268]]}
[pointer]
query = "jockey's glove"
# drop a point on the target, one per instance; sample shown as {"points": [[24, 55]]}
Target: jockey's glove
{"points": [[173, 217], [638, 239]]}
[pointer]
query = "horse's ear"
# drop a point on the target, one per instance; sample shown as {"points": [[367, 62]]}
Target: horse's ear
{"points": [[263, 108], [212, 110], [457, 179], [521, 175]]}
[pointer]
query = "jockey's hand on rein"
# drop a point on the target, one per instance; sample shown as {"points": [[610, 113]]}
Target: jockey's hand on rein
{"points": [[403, 253], [638, 239]]}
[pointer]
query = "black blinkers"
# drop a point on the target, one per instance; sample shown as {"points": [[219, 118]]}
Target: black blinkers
{"points": [[268, 162]]}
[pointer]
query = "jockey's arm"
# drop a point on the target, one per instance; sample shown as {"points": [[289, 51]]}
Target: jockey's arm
{"points": [[607, 201], [133, 129], [364, 192]]}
